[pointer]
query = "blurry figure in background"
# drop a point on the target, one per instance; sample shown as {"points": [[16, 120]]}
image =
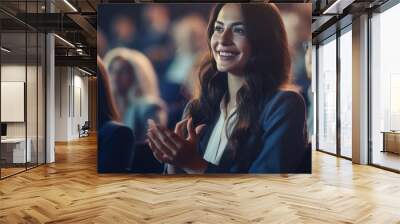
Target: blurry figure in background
{"points": [[124, 32], [310, 96], [116, 148], [107, 108], [156, 42], [135, 89], [297, 21], [190, 40], [102, 43]]}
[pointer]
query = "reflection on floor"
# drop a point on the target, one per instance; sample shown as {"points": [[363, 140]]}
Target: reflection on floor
{"points": [[386, 159], [10, 169]]}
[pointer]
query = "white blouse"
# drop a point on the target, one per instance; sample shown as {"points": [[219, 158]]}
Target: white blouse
{"points": [[219, 139]]}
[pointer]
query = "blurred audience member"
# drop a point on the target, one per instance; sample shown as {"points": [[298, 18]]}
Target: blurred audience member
{"points": [[156, 42], [107, 108], [135, 89], [310, 96], [116, 149], [297, 22], [124, 32], [190, 40], [102, 43]]}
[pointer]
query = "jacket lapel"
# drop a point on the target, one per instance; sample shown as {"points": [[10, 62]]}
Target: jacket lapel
{"points": [[205, 137], [226, 158]]}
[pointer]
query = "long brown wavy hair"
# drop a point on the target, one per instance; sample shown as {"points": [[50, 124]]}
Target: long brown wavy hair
{"points": [[266, 71]]}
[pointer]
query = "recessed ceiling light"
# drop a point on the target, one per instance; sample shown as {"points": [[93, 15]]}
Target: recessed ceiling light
{"points": [[84, 71], [337, 7], [70, 5], [5, 50], [65, 41]]}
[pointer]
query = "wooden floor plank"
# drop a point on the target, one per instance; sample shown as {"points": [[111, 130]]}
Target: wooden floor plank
{"points": [[71, 191]]}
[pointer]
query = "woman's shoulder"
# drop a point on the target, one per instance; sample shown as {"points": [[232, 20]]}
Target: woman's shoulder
{"points": [[284, 101], [288, 94], [285, 97]]}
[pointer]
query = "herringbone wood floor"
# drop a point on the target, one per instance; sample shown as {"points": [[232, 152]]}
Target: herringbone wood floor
{"points": [[71, 191]]}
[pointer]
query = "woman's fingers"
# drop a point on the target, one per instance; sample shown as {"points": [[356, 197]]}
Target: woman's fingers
{"points": [[193, 132], [151, 123], [190, 129], [159, 145], [176, 130], [166, 137], [161, 133], [199, 128], [179, 127], [177, 140], [160, 157]]}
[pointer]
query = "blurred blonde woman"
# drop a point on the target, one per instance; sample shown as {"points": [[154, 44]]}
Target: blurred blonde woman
{"points": [[135, 89]]}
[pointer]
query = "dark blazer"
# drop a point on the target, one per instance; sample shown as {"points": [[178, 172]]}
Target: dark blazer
{"points": [[280, 146], [116, 148]]}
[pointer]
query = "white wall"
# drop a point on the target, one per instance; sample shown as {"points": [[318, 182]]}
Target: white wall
{"points": [[16, 73], [33, 127], [71, 93], [13, 73], [61, 103]]}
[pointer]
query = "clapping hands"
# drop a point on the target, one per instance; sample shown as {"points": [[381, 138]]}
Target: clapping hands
{"points": [[174, 148]]}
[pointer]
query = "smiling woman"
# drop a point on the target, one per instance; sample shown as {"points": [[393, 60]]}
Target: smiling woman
{"points": [[242, 121], [229, 43]]}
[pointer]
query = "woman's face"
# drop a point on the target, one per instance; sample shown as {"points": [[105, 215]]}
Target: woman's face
{"points": [[229, 42], [121, 72]]}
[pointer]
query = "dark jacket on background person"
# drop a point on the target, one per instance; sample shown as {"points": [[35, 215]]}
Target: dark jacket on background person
{"points": [[116, 148], [115, 141]]}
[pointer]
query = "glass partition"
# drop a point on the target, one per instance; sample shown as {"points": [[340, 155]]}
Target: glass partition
{"points": [[346, 94], [385, 89], [14, 153], [327, 96], [22, 91]]}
